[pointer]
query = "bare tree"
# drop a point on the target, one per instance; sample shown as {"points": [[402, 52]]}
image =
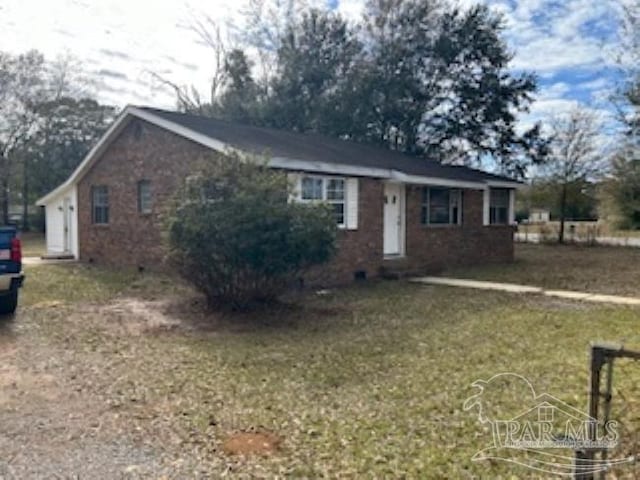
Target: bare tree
{"points": [[265, 23], [575, 156], [209, 33]]}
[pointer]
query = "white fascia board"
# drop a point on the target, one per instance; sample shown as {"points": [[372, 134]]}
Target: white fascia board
{"points": [[352, 170], [327, 168], [439, 182], [505, 184], [200, 138]]}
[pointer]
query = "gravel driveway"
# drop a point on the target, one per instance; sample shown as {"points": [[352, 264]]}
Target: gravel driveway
{"points": [[57, 412]]}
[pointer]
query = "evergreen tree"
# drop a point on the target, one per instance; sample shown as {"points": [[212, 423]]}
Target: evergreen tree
{"points": [[314, 57]]}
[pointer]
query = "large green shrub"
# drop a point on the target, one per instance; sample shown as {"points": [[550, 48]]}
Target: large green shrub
{"points": [[233, 233]]}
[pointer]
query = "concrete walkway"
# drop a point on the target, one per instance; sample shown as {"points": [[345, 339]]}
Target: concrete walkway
{"points": [[607, 241], [515, 288]]}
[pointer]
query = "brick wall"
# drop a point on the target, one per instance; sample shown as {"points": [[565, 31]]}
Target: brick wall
{"points": [[145, 152], [432, 248], [141, 152]]}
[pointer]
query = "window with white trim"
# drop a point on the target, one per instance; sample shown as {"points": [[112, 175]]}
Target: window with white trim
{"points": [[144, 196], [329, 190], [441, 206], [499, 206], [100, 205]]}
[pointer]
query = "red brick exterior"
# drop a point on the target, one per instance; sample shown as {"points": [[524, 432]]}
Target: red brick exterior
{"points": [[433, 248], [146, 152]]}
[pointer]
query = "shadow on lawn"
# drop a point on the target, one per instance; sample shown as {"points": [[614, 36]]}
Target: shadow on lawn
{"points": [[289, 313]]}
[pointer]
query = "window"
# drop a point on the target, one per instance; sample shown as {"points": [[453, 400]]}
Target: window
{"points": [[100, 204], [499, 206], [312, 188], [144, 196], [329, 190], [441, 206]]}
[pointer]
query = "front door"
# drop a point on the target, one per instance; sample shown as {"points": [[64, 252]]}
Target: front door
{"points": [[66, 218], [393, 219]]}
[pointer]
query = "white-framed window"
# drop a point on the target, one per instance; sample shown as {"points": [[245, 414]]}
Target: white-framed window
{"points": [[325, 189], [144, 196], [499, 206], [100, 204], [441, 206]]}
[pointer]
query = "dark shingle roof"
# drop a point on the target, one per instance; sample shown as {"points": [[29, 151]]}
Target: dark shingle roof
{"points": [[319, 148]]}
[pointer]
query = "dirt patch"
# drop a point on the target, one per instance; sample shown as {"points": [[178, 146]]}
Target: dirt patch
{"points": [[137, 316], [261, 443]]}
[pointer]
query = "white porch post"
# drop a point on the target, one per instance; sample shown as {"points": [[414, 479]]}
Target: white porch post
{"points": [[486, 201], [512, 206]]}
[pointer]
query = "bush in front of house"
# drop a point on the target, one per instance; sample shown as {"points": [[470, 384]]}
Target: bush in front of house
{"points": [[235, 236]]}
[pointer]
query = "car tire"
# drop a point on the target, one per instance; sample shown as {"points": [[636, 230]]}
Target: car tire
{"points": [[9, 302]]}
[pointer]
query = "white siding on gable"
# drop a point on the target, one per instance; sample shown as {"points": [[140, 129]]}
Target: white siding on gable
{"points": [[352, 204]]}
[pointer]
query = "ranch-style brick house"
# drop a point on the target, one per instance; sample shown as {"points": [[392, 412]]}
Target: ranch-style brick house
{"points": [[393, 210]]}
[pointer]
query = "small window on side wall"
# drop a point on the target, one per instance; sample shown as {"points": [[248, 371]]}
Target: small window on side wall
{"points": [[100, 205], [144, 196], [499, 206]]}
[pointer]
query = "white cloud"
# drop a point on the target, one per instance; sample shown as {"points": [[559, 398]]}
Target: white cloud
{"points": [[120, 36], [548, 35]]}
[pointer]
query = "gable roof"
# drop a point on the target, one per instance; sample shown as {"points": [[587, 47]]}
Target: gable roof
{"points": [[294, 151]]}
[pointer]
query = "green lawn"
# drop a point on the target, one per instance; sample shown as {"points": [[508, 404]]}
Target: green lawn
{"points": [[365, 382]]}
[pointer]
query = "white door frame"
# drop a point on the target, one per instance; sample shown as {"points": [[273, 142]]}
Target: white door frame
{"points": [[66, 224], [398, 223]]}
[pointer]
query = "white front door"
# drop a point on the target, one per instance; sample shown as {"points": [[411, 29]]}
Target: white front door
{"points": [[66, 216], [393, 219]]}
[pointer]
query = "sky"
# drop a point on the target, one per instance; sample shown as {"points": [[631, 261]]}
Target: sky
{"points": [[570, 44]]}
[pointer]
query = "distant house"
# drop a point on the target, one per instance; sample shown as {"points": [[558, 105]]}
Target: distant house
{"points": [[390, 208], [539, 215]]}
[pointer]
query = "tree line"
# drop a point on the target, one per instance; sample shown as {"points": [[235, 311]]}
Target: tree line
{"points": [[582, 180], [48, 122]]}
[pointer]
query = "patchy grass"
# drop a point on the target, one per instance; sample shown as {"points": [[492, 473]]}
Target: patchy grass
{"points": [[82, 283], [611, 270], [365, 382]]}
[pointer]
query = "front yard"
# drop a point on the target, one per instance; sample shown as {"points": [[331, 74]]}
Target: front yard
{"points": [[610, 270], [107, 374]]}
